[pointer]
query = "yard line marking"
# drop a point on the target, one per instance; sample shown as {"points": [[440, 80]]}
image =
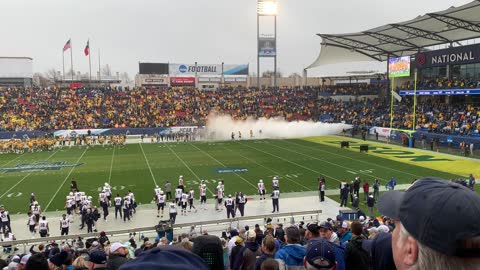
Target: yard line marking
{"points": [[359, 160], [21, 180], [216, 160], [326, 161], [111, 166], [8, 162], [188, 167], [148, 164], [275, 172], [65, 180], [292, 162]]}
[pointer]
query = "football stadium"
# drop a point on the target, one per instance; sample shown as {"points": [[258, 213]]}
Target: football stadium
{"points": [[367, 160]]}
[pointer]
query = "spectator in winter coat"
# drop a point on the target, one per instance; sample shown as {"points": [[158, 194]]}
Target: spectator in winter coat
{"points": [[356, 258], [292, 254]]}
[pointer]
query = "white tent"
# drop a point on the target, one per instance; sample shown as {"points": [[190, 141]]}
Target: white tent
{"points": [[405, 38]]}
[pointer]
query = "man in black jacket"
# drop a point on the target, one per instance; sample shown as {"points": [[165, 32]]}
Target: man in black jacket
{"points": [[356, 258], [117, 256]]}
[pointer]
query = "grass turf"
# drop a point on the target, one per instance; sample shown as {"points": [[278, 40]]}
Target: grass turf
{"points": [[297, 162]]}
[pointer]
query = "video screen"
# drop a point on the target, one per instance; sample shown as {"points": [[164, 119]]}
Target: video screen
{"points": [[399, 67]]}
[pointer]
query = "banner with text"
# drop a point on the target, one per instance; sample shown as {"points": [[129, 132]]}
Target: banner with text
{"points": [[209, 70], [267, 47]]}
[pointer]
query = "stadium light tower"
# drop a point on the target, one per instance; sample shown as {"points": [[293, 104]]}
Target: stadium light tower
{"points": [[267, 47]]}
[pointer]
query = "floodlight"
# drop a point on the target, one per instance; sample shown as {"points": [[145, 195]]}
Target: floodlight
{"points": [[267, 8]]}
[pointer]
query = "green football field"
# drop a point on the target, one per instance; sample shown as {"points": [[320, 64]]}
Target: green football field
{"points": [[139, 167]]}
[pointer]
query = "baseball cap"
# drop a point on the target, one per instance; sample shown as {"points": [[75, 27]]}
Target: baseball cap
{"points": [[344, 225], [326, 225], [251, 234], [313, 227], [97, 256], [166, 258], [25, 258], [239, 240], [422, 210], [380, 250], [116, 246], [320, 254], [383, 229]]}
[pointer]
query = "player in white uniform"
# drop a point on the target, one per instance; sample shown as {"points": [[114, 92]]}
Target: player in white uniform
{"points": [[64, 225], [36, 210], [32, 221], [203, 195], [108, 191], [275, 183], [43, 228], [178, 195], [69, 205], [191, 197], [160, 199], [219, 196], [184, 201], [156, 191], [172, 210], [261, 190]]}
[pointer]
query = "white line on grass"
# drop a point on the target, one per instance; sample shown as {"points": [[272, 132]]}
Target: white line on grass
{"points": [[65, 180], [216, 160], [185, 164], [292, 162], [148, 164], [275, 172], [25, 177], [111, 166], [326, 161], [12, 160], [359, 160]]}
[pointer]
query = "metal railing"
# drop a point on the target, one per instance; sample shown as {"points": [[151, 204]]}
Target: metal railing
{"points": [[225, 224]]}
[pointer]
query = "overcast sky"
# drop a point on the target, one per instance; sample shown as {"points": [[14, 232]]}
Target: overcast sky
{"points": [[185, 31]]}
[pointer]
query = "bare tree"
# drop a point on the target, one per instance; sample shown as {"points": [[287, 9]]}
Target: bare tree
{"points": [[51, 74], [106, 70], [269, 73], [294, 75], [125, 78]]}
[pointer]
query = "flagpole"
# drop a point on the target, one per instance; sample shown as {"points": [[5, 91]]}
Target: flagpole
{"points": [[89, 61], [71, 58], [99, 68], [63, 64]]}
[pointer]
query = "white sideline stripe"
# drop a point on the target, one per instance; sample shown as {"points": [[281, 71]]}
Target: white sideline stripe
{"points": [[216, 160], [65, 180], [111, 166], [12, 160], [359, 160], [292, 162], [148, 164], [21, 180], [188, 167], [275, 172], [326, 161]]}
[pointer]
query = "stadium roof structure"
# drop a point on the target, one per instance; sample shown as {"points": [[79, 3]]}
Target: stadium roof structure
{"points": [[405, 38]]}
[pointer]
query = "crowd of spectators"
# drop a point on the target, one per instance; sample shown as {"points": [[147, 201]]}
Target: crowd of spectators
{"points": [[442, 83], [54, 109], [324, 245], [355, 89]]}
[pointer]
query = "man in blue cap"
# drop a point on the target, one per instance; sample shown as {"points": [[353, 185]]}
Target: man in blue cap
{"points": [[96, 259], [320, 255], [437, 225]]}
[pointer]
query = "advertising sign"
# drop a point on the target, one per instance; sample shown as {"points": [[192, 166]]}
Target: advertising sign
{"points": [[182, 80], [267, 47], [209, 70], [399, 67], [455, 55]]}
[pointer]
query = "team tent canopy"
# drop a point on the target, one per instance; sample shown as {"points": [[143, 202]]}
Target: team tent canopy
{"points": [[399, 39]]}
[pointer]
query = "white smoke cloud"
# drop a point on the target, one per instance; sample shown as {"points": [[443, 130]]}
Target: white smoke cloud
{"points": [[220, 127]]}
